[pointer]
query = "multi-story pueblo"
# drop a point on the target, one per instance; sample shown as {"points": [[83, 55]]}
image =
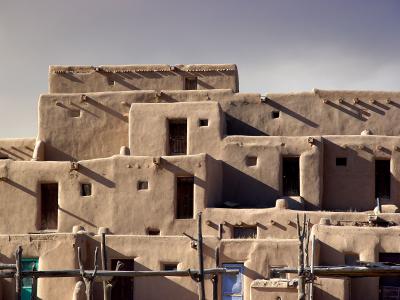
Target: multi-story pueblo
{"points": [[133, 157]]}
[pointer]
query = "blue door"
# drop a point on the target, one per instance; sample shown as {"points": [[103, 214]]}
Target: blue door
{"points": [[232, 284], [28, 264]]}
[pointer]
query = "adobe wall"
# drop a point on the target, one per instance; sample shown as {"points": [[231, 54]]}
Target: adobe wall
{"points": [[17, 149], [316, 113], [352, 187], [84, 79], [148, 132], [49, 248]]}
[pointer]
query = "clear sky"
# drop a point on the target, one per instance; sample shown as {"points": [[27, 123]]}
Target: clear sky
{"points": [[278, 45]]}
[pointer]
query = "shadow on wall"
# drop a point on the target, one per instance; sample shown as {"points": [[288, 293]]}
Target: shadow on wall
{"points": [[235, 126], [244, 190]]}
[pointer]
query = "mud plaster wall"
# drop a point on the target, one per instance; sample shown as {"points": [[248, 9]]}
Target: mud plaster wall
{"points": [[17, 149], [100, 81], [306, 113], [49, 249], [148, 134]]}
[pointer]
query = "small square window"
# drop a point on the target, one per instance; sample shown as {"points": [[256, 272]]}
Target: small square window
{"points": [[74, 113], [251, 161], [170, 267], [191, 83], [111, 82], [86, 189], [153, 231], [275, 114], [276, 275], [341, 161], [203, 122], [143, 185]]}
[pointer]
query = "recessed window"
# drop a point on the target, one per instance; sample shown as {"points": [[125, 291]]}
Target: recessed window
{"points": [[170, 267], [191, 83], [341, 161], [184, 197], [111, 82], [275, 114], [153, 231], [143, 185], [251, 161], [178, 137], [382, 178], [49, 205], [244, 232], [203, 122], [291, 176], [86, 189], [74, 113]]}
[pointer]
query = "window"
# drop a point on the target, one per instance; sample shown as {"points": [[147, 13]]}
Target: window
{"points": [[142, 185], [389, 286], [203, 122], [86, 189], [251, 161], [191, 83], [341, 161], [122, 286], [275, 114], [351, 259], [177, 137], [152, 231], [184, 194], [170, 267], [28, 286], [245, 232], [382, 179], [49, 205], [232, 284], [291, 176], [74, 113]]}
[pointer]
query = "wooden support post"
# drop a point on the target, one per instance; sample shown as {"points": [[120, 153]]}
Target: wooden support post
{"points": [[103, 250], [18, 277], [214, 277], [301, 295], [312, 267], [201, 258], [88, 279]]}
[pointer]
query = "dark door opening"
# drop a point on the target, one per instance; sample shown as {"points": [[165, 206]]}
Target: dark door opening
{"points": [[382, 179], [184, 195], [191, 83], [177, 137], [49, 205], [123, 286], [389, 286], [290, 176]]}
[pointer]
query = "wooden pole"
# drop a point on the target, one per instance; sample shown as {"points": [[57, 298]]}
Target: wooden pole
{"points": [[301, 295], [18, 277], [103, 250], [201, 258], [312, 267], [214, 278]]}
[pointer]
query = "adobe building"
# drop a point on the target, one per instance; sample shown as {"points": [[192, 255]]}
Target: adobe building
{"points": [[138, 150]]}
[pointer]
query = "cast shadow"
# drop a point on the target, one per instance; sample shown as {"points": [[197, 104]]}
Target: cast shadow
{"points": [[235, 126]]}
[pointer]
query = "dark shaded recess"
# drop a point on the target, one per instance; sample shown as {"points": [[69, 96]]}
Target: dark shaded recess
{"points": [[291, 176], [348, 111], [235, 126], [177, 137], [291, 113], [184, 198], [382, 179], [245, 190], [49, 205]]}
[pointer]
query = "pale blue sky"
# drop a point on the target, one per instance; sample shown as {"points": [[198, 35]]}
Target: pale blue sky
{"points": [[278, 45]]}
